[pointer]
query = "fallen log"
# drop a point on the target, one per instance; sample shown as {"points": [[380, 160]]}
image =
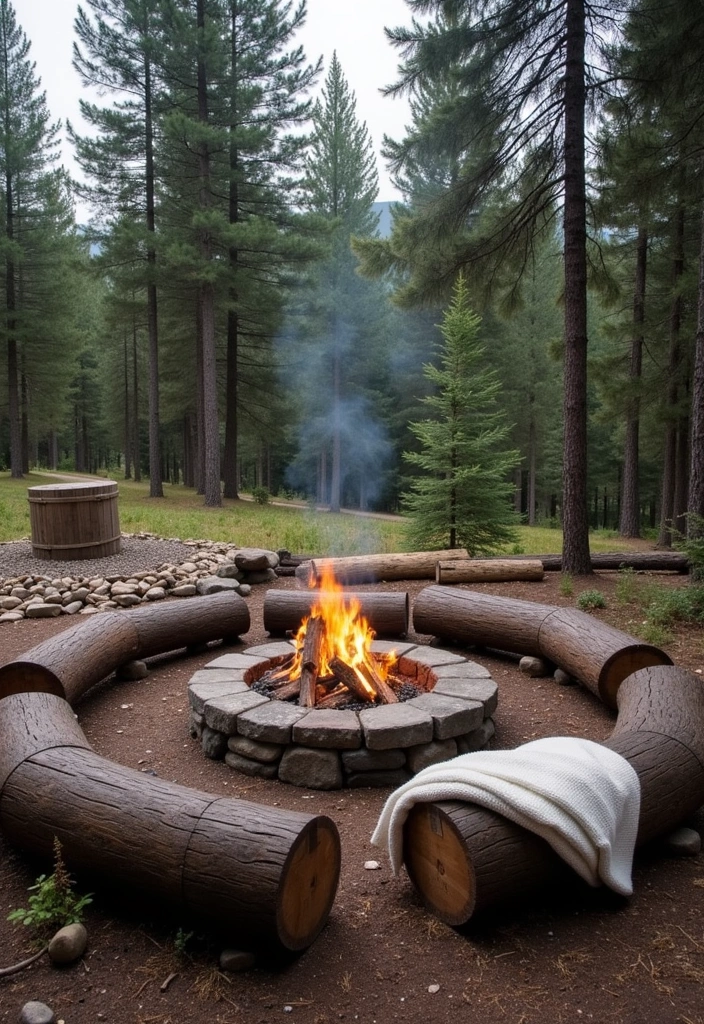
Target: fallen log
{"points": [[464, 859], [265, 876], [386, 613], [488, 570], [641, 561], [595, 653], [413, 565], [70, 662]]}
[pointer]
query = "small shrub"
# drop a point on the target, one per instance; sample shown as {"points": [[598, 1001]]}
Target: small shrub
{"points": [[566, 585], [591, 599], [53, 903], [518, 549], [653, 634], [626, 586], [261, 495]]}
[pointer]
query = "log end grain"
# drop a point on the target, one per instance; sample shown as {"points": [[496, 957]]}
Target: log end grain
{"points": [[438, 864], [309, 884], [29, 677], [624, 663]]}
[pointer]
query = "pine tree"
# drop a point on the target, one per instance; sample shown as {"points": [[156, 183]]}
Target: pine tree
{"points": [[464, 500]]}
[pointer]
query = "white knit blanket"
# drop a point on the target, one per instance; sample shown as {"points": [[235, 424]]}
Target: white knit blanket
{"points": [[584, 799]]}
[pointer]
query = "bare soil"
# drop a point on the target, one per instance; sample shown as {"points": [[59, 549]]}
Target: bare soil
{"points": [[580, 954]]}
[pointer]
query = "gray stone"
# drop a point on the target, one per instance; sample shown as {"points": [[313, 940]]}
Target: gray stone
{"points": [[478, 739], [393, 779], [201, 689], [245, 590], [215, 585], [155, 594], [270, 723], [252, 559], [53, 599], [468, 670], [395, 725], [316, 769], [119, 588], [422, 658], [275, 649], [255, 769], [234, 660], [683, 842], [364, 760], [9, 603], [133, 670], [236, 960], [229, 571], [214, 743], [260, 576], [267, 753], [36, 1013], [339, 730], [387, 646], [68, 944], [483, 690], [128, 600], [536, 668], [221, 712], [72, 608], [11, 616], [42, 611], [564, 678], [184, 590], [426, 754], [451, 716], [195, 725]]}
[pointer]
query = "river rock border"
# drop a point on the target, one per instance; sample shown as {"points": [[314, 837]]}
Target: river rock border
{"points": [[213, 567], [330, 749]]}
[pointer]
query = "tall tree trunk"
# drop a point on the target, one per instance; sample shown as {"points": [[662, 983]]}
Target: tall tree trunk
{"points": [[13, 384], [629, 522], [135, 392], [669, 475], [211, 429], [679, 504], [200, 408], [532, 448], [53, 450], [155, 488], [24, 399], [128, 432], [335, 478], [232, 368], [695, 520], [575, 520]]}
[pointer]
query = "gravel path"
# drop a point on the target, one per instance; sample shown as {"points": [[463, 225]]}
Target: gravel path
{"points": [[137, 555]]}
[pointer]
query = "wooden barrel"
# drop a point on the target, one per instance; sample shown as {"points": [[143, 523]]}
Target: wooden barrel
{"points": [[73, 521]]}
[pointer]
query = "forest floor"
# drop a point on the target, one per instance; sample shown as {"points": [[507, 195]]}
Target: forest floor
{"points": [[575, 955]]}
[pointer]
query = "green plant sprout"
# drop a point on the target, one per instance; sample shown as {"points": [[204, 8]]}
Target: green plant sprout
{"points": [[53, 902]]}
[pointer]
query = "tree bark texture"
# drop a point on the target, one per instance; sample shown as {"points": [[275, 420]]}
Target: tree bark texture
{"points": [[414, 565], [575, 520], [596, 654], [464, 859], [695, 522], [156, 489], [69, 663], [265, 876], [669, 468], [643, 561], [629, 522], [386, 613], [488, 570]]}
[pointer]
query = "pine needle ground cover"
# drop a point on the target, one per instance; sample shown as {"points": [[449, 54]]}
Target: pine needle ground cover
{"points": [[300, 530]]}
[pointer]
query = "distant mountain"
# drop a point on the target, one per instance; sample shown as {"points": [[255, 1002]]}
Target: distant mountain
{"points": [[384, 211]]}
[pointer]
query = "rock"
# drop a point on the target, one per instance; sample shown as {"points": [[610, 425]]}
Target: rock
{"points": [[42, 611], [395, 725], [563, 678], [72, 608], [372, 865], [128, 600], [329, 728], [315, 769], [267, 753], [221, 712], [36, 1013], [364, 760], [214, 743], [229, 571], [245, 590], [419, 757], [236, 960], [270, 723], [683, 842], [132, 670], [8, 603], [214, 585], [536, 668], [121, 588], [255, 769], [451, 716], [184, 590], [478, 739], [155, 594], [11, 616], [433, 989], [68, 944], [253, 559], [195, 725], [484, 690], [261, 576]]}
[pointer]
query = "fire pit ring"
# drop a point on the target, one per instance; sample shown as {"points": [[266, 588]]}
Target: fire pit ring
{"points": [[329, 749]]}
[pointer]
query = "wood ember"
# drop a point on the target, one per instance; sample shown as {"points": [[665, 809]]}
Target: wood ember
{"points": [[349, 677]]}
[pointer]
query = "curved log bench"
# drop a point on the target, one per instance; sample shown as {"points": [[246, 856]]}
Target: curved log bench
{"points": [[263, 875], [387, 613], [71, 662], [464, 859], [600, 656]]}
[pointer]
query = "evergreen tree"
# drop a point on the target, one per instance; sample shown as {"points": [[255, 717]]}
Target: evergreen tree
{"points": [[464, 500]]}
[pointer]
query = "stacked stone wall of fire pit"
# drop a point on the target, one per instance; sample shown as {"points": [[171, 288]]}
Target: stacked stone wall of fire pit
{"points": [[328, 749]]}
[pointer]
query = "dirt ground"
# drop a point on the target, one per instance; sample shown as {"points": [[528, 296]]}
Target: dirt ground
{"points": [[580, 954]]}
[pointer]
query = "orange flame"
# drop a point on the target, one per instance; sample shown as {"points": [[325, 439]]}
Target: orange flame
{"points": [[347, 634]]}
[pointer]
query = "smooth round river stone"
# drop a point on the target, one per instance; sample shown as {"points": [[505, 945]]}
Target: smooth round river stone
{"points": [[68, 944], [36, 1013]]}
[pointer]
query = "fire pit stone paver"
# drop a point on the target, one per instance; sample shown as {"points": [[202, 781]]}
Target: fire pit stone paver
{"points": [[327, 749]]}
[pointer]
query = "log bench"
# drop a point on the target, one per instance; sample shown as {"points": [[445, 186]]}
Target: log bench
{"points": [[261, 875]]}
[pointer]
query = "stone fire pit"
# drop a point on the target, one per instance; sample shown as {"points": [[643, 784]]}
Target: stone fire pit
{"points": [[328, 749]]}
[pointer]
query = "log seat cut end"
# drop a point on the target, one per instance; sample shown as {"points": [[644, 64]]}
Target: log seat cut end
{"points": [[29, 677], [309, 884]]}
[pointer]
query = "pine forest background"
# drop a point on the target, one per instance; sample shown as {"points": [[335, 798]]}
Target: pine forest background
{"points": [[234, 318]]}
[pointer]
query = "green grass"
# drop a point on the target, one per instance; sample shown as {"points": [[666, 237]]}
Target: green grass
{"points": [[301, 530]]}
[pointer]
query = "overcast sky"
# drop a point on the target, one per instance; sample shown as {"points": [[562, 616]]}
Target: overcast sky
{"points": [[355, 28]]}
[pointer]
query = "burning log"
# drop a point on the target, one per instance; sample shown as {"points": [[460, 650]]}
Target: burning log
{"points": [[381, 688], [311, 656], [337, 698], [414, 565], [386, 613], [347, 675]]}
